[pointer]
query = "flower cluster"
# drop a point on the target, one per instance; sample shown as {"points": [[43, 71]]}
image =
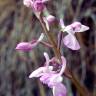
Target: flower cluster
{"points": [[47, 74]]}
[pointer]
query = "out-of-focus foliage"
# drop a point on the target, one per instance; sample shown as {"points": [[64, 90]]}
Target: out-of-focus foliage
{"points": [[18, 23]]}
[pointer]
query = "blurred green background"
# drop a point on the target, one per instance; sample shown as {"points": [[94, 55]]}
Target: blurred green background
{"points": [[18, 23]]}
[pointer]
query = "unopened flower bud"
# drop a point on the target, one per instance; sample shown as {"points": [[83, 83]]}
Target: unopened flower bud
{"points": [[24, 46], [50, 19]]}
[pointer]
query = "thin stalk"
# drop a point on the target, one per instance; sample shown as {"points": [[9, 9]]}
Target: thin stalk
{"points": [[51, 39], [59, 39]]}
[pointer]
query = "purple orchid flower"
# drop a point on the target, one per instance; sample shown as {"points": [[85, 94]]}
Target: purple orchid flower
{"points": [[70, 40], [36, 5], [51, 78], [28, 46]]}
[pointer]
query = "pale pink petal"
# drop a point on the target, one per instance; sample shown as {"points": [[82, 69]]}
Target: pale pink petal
{"points": [[78, 27], [56, 78], [71, 42], [47, 59], [62, 23], [83, 28], [45, 78], [39, 72], [69, 29], [59, 90], [63, 65]]}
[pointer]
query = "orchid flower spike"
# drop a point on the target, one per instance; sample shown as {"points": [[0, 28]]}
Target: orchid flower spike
{"points": [[28, 46], [70, 40]]}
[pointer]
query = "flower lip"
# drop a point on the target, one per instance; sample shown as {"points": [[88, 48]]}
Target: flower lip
{"points": [[59, 90], [71, 42], [62, 23], [56, 78]]}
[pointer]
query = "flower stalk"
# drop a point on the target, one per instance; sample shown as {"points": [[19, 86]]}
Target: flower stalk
{"points": [[51, 38]]}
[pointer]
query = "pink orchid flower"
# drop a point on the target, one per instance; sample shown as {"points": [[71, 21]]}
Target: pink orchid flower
{"points": [[36, 5], [27, 46], [51, 78], [70, 40]]}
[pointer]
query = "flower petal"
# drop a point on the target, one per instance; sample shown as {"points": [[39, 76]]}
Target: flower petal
{"points": [[56, 78], [59, 90], [47, 61], [69, 29], [63, 65], [83, 28], [45, 78], [76, 27], [39, 72], [62, 24], [71, 42]]}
